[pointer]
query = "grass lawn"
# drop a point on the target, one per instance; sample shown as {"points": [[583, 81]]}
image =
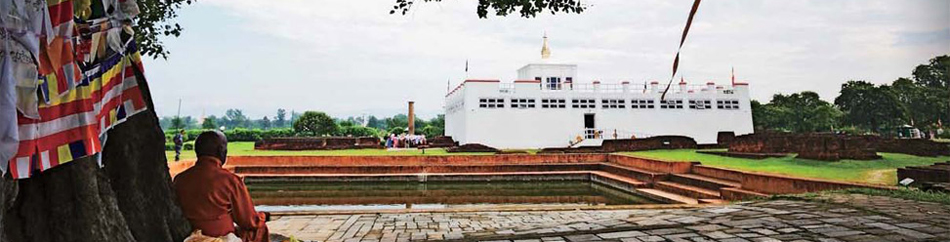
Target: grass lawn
{"points": [[882, 171], [247, 149]]}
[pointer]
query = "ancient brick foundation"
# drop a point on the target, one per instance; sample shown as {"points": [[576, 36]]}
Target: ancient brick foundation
{"points": [[725, 138], [618, 145], [828, 147], [936, 173], [317, 143], [835, 147], [473, 147], [652, 143], [918, 147], [442, 142]]}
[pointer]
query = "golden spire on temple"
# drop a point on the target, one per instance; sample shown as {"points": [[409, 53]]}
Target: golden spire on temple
{"points": [[545, 52]]}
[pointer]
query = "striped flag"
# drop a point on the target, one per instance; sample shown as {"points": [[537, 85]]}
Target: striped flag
{"points": [[73, 125], [676, 61], [57, 62]]}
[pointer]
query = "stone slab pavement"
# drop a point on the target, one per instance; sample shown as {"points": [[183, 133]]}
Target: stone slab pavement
{"points": [[830, 217]]}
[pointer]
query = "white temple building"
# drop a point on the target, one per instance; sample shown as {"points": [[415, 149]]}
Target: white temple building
{"points": [[548, 107]]}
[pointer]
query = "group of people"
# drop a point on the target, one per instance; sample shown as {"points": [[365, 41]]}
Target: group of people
{"points": [[405, 141]]}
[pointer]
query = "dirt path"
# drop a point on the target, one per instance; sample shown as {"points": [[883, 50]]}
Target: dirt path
{"points": [[882, 176]]}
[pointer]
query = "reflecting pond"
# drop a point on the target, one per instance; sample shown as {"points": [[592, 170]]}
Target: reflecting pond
{"points": [[303, 196]]}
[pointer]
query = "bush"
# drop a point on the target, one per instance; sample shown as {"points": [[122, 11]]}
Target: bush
{"points": [[397, 130], [943, 134], [239, 134], [315, 123], [359, 131], [170, 146], [432, 131], [190, 134]]}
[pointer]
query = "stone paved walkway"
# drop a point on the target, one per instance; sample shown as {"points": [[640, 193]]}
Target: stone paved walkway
{"points": [[841, 217]]}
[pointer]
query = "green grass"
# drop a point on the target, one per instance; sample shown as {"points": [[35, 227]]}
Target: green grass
{"points": [[913, 194], [882, 171], [903, 193], [247, 149]]}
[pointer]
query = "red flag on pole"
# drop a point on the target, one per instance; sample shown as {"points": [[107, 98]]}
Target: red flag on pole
{"points": [[733, 75]]}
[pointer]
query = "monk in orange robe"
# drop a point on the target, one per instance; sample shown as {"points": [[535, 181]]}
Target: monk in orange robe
{"points": [[214, 199]]}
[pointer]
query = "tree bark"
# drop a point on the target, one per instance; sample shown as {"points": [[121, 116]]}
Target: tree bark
{"points": [[129, 199]]}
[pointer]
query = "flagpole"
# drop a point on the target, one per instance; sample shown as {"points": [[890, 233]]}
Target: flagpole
{"points": [[733, 75], [178, 116]]}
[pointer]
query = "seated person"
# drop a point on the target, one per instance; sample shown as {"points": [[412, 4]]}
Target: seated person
{"points": [[213, 199]]}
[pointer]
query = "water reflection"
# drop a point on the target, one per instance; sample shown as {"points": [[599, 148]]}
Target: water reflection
{"points": [[287, 196]]}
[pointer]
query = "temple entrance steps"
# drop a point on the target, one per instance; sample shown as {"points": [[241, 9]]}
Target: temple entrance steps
{"points": [[635, 173], [706, 182], [703, 189], [687, 190], [665, 196]]}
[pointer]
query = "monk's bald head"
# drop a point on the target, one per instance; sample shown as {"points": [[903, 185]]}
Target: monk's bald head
{"points": [[212, 143]]}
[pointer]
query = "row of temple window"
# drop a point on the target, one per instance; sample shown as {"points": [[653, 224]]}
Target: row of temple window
{"points": [[607, 103]]}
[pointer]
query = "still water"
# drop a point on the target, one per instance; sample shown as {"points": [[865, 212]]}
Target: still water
{"points": [[307, 196]]}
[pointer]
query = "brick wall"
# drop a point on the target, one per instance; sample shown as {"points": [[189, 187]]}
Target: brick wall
{"points": [[809, 146], [652, 143], [651, 165]]}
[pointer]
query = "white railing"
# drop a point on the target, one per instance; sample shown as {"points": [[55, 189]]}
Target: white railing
{"points": [[622, 88], [594, 133], [506, 87]]}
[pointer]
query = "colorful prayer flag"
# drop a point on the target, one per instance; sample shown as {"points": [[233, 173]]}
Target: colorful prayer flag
{"points": [[74, 125]]}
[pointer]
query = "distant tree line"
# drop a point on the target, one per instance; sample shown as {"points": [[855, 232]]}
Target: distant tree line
{"points": [[309, 123], [921, 101]]}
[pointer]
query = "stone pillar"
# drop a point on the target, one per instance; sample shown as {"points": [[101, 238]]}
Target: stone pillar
{"points": [[412, 118]]}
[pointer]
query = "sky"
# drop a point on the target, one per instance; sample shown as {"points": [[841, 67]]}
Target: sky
{"points": [[352, 58]]}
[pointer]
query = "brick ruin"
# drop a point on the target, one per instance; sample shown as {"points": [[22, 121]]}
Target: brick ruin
{"points": [[833, 147], [318, 143], [829, 147], [926, 175], [471, 147], [653, 143], [618, 145], [442, 142], [918, 147]]}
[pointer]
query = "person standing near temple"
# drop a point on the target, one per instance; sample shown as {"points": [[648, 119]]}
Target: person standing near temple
{"points": [[179, 143]]}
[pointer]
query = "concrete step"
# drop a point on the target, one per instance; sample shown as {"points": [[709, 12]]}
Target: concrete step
{"points": [[735, 194], [639, 174], [702, 181], [665, 196], [623, 179], [419, 177], [411, 169], [713, 201], [686, 190]]}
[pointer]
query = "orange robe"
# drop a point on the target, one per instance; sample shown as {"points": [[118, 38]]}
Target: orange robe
{"points": [[213, 199]]}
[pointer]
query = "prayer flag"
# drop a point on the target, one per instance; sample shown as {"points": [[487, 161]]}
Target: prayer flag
{"points": [[75, 124], [676, 60]]}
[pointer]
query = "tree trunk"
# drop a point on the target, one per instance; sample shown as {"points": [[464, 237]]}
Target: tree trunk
{"points": [[129, 199]]}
